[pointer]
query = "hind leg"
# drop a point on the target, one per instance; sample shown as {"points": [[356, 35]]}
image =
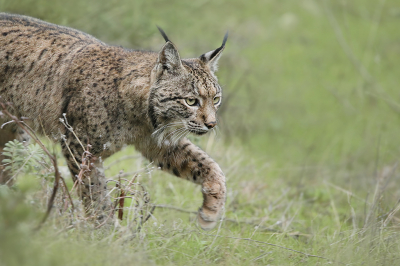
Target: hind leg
{"points": [[93, 187]]}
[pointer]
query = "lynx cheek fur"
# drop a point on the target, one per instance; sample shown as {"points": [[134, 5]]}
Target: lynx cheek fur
{"points": [[112, 96]]}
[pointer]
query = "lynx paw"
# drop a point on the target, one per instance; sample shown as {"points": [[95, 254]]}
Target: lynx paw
{"points": [[207, 220]]}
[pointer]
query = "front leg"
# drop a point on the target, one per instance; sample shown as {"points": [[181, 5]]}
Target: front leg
{"points": [[186, 160]]}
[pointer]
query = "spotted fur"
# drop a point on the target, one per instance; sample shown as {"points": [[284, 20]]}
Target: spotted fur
{"points": [[113, 96]]}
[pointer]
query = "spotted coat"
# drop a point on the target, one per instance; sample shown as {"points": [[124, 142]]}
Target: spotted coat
{"points": [[112, 96]]}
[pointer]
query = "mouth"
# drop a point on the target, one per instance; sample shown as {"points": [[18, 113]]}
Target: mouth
{"points": [[198, 132]]}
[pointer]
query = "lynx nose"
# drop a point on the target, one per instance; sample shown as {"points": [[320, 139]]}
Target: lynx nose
{"points": [[210, 125]]}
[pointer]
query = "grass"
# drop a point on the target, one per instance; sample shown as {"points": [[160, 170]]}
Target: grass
{"points": [[302, 209], [309, 141]]}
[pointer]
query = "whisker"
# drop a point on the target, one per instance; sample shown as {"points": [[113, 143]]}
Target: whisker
{"points": [[180, 135], [217, 130], [175, 138], [184, 134], [162, 136], [176, 130], [188, 132], [158, 131]]}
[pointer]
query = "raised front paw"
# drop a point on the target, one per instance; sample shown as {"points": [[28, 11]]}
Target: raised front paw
{"points": [[208, 220], [214, 194]]}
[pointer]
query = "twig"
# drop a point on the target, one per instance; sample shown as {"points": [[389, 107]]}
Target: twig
{"points": [[125, 174], [6, 123], [69, 127], [121, 200], [110, 215], [261, 256], [274, 245], [225, 219], [57, 174], [150, 214], [53, 195], [117, 200], [120, 160], [174, 208], [70, 152], [148, 217]]}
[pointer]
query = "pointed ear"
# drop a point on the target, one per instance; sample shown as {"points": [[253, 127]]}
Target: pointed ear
{"points": [[211, 58], [168, 58]]}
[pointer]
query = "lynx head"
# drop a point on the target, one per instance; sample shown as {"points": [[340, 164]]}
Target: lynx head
{"points": [[184, 94]]}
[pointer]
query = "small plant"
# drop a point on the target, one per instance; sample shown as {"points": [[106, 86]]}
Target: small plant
{"points": [[20, 158]]}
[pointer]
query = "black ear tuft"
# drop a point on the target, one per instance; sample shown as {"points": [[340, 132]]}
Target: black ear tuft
{"points": [[211, 58], [164, 35], [225, 39], [218, 50]]}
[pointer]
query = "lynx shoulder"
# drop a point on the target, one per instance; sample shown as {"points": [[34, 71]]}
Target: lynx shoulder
{"points": [[113, 96]]}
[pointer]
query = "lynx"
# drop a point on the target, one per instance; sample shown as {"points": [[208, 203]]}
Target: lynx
{"points": [[112, 96]]}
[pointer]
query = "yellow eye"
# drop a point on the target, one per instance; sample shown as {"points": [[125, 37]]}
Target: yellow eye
{"points": [[191, 102], [217, 99]]}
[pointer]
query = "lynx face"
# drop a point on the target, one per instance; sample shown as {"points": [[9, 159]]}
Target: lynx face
{"points": [[185, 94]]}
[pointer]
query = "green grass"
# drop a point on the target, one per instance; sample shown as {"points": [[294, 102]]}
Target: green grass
{"points": [[308, 144], [301, 208]]}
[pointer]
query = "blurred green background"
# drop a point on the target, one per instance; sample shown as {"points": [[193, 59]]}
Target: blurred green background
{"points": [[309, 129]]}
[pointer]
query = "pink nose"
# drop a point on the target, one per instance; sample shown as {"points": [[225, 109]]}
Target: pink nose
{"points": [[210, 125]]}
